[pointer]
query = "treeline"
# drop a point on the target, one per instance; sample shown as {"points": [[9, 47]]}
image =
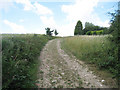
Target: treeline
{"points": [[90, 29]]}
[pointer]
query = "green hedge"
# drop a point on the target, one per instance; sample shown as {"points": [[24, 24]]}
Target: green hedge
{"points": [[20, 59], [95, 32]]}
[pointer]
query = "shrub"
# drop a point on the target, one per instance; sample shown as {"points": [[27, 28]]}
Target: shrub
{"points": [[94, 33], [20, 59], [99, 32], [88, 33]]}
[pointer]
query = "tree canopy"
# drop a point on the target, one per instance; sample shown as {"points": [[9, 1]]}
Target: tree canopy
{"points": [[115, 32], [56, 33], [90, 29], [48, 32], [94, 29], [78, 28]]}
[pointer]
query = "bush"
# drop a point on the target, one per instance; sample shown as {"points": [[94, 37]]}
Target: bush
{"points": [[94, 33], [115, 32], [20, 59], [99, 32], [89, 33]]}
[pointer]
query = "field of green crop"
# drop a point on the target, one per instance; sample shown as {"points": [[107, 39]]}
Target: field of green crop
{"points": [[96, 50], [20, 59]]}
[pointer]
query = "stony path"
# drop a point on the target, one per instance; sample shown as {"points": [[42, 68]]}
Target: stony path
{"points": [[59, 70]]}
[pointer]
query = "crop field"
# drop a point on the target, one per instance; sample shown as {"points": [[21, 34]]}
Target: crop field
{"points": [[20, 59], [96, 50]]}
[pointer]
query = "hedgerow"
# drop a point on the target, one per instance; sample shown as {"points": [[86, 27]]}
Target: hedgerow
{"points": [[20, 59]]}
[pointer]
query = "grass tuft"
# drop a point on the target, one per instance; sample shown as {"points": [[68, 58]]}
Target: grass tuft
{"points": [[96, 50]]}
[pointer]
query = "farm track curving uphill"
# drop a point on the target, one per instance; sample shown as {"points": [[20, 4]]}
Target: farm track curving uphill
{"points": [[59, 70]]}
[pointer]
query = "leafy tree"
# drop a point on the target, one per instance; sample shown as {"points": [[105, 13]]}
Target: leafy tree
{"points": [[99, 32], [115, 26], [87, 24], [115, 29], [88, 33], [106, 31], [97, 28], [88, 27], [48, 32], [92, 27], [56, 33], [94, 33], [78, 28]]}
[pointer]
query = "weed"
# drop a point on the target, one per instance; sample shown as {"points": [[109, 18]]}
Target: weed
{"points": [[20, 59], [93, 50]]}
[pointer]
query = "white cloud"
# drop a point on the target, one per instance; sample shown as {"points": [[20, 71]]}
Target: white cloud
{"points": [[80, 10], [48, 21], [103, 24], [83, 10], [16, 28], [19, 29], [36, 7], [66, 30], [5, 5], [42, 10], [21, 20], [63, 30], [102, 7], [27, 4]]}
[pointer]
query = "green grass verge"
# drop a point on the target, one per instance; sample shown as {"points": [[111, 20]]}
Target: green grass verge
{"points": [[97, 50], [20, 59]]}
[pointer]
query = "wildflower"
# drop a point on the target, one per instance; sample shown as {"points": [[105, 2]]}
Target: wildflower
{"points": [[62, 73]]}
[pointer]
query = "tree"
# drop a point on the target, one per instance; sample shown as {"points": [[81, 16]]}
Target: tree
{"points": [[88, 27], [89, 33], [115, 26], [48, 32], [56, 33], [87, 24], [92, 27], [94, 32], [78, 28], [99, 32], [115, 31]]}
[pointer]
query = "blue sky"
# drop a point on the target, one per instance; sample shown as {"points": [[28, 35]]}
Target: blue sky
{"points": [[26, 16]]}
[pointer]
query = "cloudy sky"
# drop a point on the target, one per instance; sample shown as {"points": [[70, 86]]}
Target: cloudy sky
{"points": [[33, 16]]}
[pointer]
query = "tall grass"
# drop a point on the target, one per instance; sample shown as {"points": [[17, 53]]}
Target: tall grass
{"points": [[94, 50], [20, 59]]}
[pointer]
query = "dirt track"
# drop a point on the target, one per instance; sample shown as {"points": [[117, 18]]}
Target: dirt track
{"points": [[59, 70]]}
